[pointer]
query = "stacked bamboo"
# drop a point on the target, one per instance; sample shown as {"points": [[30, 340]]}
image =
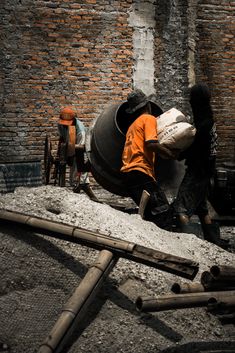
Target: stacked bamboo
{"points": [[216, 291]]}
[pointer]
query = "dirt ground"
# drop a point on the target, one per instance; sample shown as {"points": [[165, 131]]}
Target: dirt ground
{"points": [[39, 274]]}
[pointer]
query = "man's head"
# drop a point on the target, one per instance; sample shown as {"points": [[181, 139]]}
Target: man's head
{"points": [[200, 94], [200, 103], [67, 116], [136, 100], [156, 110]]}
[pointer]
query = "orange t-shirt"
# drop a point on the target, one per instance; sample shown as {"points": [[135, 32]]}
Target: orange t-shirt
{"points": [[135, 155]]}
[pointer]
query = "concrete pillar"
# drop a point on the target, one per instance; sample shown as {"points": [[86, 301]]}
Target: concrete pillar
{"points": [[142, 19]]}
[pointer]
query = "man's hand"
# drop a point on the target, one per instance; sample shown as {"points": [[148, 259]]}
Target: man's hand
{"points": [[175, 152], [163, 151]]}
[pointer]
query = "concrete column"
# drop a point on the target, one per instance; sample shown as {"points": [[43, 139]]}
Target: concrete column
{"points": [[142, 19], [192, 16]]}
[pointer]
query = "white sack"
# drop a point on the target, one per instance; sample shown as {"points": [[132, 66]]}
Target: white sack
{"points": [[174, 130]]}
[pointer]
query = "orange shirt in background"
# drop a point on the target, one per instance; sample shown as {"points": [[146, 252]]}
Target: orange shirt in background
{"points": [[135, 155]]}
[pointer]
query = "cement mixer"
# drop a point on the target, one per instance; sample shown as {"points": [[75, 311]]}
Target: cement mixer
{"points": [[105, 144]]}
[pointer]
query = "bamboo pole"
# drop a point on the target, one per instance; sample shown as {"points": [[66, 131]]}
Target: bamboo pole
{"points": [[66, 232], [221, 303], [223, 273], [166, 262], [180, 288], [206, 279], [227, 318], [210, 282], [179, 301], [78, 303]]}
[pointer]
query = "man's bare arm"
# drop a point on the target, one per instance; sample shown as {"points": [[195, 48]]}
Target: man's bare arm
{"points": [[162, 150]]}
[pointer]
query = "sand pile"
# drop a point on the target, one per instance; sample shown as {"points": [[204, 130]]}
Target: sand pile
{"points": [[61, 205]]}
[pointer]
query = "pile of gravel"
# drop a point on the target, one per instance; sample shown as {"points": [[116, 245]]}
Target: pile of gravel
{"points": [[131, 279]]}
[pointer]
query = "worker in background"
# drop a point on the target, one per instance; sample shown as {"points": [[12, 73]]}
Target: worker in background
{"points": [[73, 132], [138, 158], [200, 160]]}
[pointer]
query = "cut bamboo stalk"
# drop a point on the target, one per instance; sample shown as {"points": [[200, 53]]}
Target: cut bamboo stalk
{"points": [[180, 288], [221, 303], [223, 273], [209, 282], [76, 307], [134, 252], [179, 301]]}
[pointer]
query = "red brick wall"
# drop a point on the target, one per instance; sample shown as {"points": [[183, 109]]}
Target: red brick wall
{"points": [[57, 53], [216, 65], [80, 53]]}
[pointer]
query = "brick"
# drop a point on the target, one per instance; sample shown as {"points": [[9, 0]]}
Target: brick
{"points": [[73, 54]]}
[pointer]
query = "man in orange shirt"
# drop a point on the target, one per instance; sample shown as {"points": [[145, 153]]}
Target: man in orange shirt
{"points": [[138, 158], [73, 132]]}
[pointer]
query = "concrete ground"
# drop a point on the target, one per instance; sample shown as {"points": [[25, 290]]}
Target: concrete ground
{"points": [[39, 275]]}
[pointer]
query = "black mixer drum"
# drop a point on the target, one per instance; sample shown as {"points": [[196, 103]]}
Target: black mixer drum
{"points": [[106, 142]]}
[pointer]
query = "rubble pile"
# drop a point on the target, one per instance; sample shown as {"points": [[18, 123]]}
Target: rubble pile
{"points": [[117, 323]]}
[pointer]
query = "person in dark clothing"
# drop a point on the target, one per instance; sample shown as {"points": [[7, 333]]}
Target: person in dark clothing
{"points": [[200, 159], [138, 160]]}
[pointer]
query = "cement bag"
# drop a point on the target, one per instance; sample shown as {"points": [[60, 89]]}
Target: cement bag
{"points": [[174, 130]]}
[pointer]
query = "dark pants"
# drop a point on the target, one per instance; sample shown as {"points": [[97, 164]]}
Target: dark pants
{"points": [[158, 209], [192, 195]]}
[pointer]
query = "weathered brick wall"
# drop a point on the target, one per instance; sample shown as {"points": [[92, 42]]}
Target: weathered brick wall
{"points": [[56, 53], [216, 65]]}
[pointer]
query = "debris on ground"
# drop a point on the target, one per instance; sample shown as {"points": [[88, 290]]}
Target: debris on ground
{"points": [[39, 274]]}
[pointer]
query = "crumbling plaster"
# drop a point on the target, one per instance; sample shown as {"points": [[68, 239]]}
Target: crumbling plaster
{"points": [[162, 19], [142, 19]]}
